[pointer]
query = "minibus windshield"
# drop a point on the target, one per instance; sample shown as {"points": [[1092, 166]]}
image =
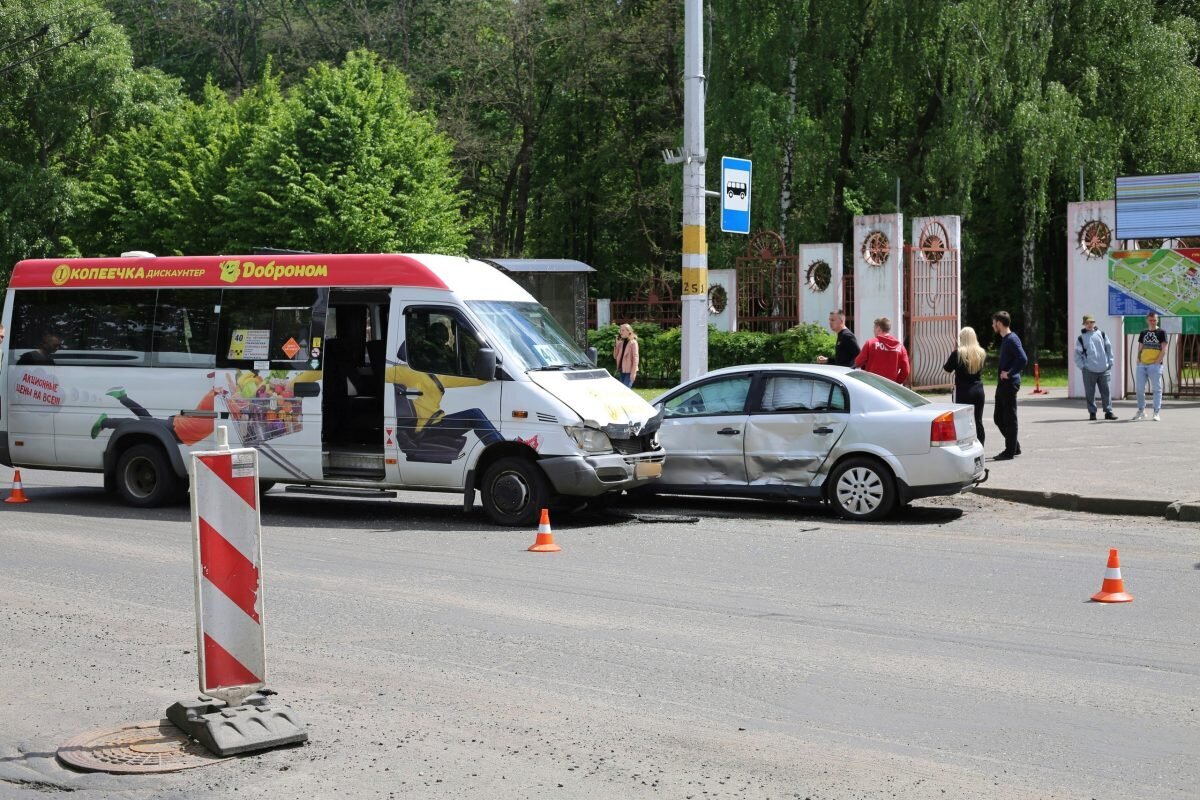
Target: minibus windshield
{"points": [[529, 332]]}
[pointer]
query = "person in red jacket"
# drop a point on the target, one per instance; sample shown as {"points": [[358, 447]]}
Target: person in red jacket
{"points": [[884, 355]]}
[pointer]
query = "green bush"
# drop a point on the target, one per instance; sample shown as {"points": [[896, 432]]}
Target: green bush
{"points": [[660, 349]]}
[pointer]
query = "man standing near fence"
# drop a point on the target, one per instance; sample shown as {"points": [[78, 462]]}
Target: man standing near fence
{"points": [[884, 355], [1152, 349], [1012, 360], [1094, 358], [847, 346]]}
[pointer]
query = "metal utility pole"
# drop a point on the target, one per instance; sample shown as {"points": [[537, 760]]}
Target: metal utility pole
{"points": [[694, 359]]}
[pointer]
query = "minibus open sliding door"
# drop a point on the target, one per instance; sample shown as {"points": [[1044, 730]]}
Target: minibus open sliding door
{"points": [[269, 376]]}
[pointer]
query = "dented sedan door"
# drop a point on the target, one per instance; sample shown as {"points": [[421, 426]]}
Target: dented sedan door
{"points": [[793, 428], [702, 433]]}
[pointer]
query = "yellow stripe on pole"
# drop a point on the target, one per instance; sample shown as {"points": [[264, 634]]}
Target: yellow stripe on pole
{"points": [[695, 280], [693, 240]]}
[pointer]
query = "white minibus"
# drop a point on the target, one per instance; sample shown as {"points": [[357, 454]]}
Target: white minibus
{"points": [[353, 373]]}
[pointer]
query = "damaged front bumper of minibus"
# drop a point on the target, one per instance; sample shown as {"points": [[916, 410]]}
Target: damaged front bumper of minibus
{"points": [[591, 476], [636, 459]]}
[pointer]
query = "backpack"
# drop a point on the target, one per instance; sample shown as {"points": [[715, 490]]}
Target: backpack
{"points": [[1082, 349]]}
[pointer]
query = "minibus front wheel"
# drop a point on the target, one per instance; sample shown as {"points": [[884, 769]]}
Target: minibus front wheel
{"points": [[144, 476], [514, 491]]}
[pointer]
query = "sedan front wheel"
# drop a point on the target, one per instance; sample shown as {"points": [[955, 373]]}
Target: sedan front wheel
{"points": [[862, 489]]}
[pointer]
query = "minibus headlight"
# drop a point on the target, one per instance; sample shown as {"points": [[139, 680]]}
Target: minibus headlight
{"points": [[590, 440]]}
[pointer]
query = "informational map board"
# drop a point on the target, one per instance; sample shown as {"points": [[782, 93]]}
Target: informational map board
{"points": [[1166, 281]]}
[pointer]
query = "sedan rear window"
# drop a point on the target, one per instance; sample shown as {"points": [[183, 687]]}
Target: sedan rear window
{"points": [[905, 397]]}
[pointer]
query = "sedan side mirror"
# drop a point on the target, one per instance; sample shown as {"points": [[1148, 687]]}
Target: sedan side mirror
{"points": [[593, 356], [485, 364]]}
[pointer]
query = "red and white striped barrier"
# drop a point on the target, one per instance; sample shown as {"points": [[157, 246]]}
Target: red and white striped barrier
{"points": [[231, 644], [227, 534]]}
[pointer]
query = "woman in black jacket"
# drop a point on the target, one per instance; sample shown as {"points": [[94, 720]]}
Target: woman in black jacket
{"points": [[967, 365]]}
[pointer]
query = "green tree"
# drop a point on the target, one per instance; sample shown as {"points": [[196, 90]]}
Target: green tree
{"points": [[68, 82], [341, 162], [348, 166]]}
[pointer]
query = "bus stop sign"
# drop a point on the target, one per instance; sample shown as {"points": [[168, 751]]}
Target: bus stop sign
{"points": [[735, 195]]}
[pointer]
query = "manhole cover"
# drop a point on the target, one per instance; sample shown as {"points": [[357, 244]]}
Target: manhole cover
{"points": [[155, 746]]}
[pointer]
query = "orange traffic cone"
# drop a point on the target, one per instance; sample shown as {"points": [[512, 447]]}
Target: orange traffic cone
{"points": [[18, 491], [545, 536], [1113, 588]]}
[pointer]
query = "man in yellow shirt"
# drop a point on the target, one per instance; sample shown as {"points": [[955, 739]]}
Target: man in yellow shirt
{"points": [[1152, 349]]}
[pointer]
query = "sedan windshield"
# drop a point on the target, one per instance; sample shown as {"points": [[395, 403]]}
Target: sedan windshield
{"points": [[529, 332], [905, 397]]}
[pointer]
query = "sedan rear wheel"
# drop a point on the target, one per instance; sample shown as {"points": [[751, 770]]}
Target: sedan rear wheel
{"points": [[862, 489]]}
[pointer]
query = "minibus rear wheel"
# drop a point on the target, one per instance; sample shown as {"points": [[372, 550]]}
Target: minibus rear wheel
{"points": [[514, 491], [145, 478]]}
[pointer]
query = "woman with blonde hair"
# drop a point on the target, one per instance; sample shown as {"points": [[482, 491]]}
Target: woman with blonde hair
{"points": [[625, 353], [966, 363]]}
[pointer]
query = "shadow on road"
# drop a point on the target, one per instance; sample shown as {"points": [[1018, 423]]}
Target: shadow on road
{"points": [[741, 508], [280, 509]]}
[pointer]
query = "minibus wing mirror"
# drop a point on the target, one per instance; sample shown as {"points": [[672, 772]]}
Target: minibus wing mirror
{"points": [[485, 364], [306, 389], [593, 356]]}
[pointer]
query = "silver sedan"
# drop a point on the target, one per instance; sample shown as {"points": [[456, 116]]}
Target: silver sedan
{"points": [[851, 438]]}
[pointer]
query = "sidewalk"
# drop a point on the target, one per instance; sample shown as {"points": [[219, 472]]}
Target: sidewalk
{"points": [[1142, 468]]}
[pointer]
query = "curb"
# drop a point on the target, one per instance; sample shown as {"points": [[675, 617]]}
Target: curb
{"points": [[1183, 510]]}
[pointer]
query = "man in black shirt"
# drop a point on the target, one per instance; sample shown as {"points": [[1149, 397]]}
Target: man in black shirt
{"points": [[1011, 361], [847, 346], [44, 354]]}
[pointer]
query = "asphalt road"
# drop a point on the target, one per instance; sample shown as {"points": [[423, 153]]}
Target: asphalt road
{"points": [[764, 651]]}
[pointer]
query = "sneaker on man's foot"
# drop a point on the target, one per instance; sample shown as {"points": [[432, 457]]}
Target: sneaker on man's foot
{"points": [[1004, 456], [99, 426], [1156, 419], [1092, 416], [1139, 415], [117, 392], [1109, 415]]}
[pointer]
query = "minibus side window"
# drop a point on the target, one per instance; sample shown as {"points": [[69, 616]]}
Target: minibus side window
{"points": [[102, 327], [185, 328], [438, 342], [266, 325]]}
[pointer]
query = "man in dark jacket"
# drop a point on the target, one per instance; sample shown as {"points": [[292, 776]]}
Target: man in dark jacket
{"points": [[1012, 360], [847, 346]]}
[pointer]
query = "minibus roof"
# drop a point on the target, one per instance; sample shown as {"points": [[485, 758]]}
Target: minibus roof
{"points": [[466, 277]]}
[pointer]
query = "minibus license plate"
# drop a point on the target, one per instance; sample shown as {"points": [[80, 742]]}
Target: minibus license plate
{"points": [[647, 470]]}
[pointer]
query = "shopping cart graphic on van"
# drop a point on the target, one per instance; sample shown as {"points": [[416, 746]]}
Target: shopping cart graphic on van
{"points": [[261, 408]]}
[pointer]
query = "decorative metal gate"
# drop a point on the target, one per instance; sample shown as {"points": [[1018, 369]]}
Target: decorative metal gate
{"points": [[848, 302], [768, 282], [1188, 353], [654, 300], [931, 306]]}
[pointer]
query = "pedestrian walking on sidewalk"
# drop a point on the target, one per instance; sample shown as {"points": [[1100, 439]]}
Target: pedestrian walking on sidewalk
{"points": [[1011, 361], [884, 355], [1152, 349], [967, 365], [626, 354], [847, 346], [1094, 357]]}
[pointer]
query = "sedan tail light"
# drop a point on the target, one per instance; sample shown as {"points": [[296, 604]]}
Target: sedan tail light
{"points": [[942, 432]]}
